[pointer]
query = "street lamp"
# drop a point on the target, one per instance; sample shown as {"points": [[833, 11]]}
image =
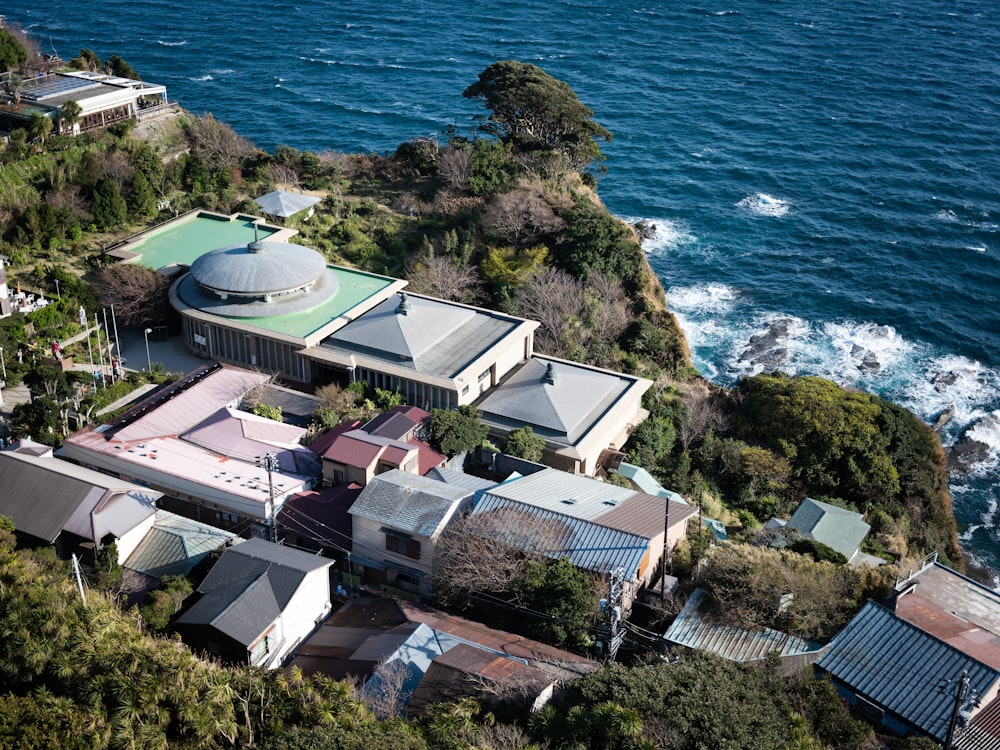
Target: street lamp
{"points": [[145, 335], [3, 379], [57, 289]]}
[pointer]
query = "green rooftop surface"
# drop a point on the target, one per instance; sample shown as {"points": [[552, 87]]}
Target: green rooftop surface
{"points": [[355, 287], [185, 240]]}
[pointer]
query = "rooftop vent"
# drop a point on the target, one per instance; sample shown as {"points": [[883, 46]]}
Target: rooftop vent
{"points": [[404, 306], [257, 247], [550, 375]]}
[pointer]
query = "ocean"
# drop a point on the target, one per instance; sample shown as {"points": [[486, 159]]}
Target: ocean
{"points": [[826, 174]]}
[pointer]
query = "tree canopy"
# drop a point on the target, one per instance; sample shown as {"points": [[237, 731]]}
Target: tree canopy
{"points": [[533, 111], [457, 430], [12, 52]]}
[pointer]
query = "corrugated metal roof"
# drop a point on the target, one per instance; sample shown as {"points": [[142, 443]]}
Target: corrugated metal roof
{"points": [[261, 267], [736, 644], [983, 732], [568, 494], [956, 609], [901, 668], [175, 545], [587, 545], [409, 502]]}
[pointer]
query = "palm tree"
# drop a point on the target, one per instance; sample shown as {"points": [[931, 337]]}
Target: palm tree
{"points": [[69, 116], [15, 84]]}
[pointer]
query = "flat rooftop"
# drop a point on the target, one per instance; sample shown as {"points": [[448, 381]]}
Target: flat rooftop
{"points": [[181, 241]]}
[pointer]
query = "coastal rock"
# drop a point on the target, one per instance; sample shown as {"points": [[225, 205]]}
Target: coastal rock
{"points": [[646, 230], [865, 359], [944, 379], [965, 454], [943, 418], [968, 451], [764, 349]]}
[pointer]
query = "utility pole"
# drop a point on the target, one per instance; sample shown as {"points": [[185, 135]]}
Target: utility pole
{"points": [[612, 634], [269, 462], [666, 550], [961, 702]]}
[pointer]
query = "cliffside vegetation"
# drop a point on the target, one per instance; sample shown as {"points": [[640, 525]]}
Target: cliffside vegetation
{"points": [[512, 222]]}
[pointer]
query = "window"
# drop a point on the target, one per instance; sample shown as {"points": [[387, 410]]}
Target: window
{"points": [[483, 375], [402, 544]]}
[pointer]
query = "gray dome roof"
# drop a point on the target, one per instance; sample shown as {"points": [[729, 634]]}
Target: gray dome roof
{"points": [[259, 268]]}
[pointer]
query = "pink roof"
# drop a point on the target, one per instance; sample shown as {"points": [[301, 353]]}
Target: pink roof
{"points": [[223, 387]]}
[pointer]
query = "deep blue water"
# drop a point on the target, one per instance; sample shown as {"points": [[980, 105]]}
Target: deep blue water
{"points": [[835, 165]]}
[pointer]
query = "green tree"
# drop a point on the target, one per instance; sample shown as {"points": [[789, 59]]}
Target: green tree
{"points": [[122, 69], [12, 52], [110, 209], [456, 430], [533, 111], [491, 170], [595, 240], [141, 201], [86, 60], [562, 591], [524, 443]]}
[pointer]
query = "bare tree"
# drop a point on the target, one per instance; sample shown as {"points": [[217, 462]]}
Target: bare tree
{"points": [[703, 412], [521, 217], [438, 276], [555, 300], [608, 307], [455, 166], [488, 552], [385, 693], [139, 294], [217, 144]]}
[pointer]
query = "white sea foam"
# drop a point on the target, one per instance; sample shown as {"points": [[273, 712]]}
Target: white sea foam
{"points": [[171, 44], [865, 347], [665, 234], [765, 205], [205, 77], [702, 298], [946, 214]]}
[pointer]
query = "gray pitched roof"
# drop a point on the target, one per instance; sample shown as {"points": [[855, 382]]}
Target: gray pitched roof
{"points": [[284, 204], [460, 479], [249, 587], [428, 335], [44, 495], [558, 399], [899, 667], [409, 502], [838, 528]]}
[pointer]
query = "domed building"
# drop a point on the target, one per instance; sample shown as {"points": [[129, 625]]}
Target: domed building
{"points": [[265, 303]]}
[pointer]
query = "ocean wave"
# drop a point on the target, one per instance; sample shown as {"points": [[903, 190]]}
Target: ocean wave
{"points": [[171, 44], [763, 204], [662, 234], [206, 77], [703, 298]]}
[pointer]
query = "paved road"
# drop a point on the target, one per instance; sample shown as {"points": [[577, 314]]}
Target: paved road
{"points": [[170, 353]]}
